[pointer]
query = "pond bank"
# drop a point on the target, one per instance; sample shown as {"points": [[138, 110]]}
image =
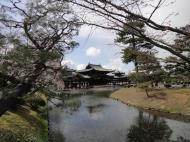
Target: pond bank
{"points": [[24, 124], [174, 101]]}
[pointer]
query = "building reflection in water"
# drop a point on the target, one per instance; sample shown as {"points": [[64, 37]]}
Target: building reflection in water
{"points": [[95, 112]]}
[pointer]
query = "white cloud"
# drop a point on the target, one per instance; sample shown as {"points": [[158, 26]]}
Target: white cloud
{"points": [[69, 64], [93, 52], [93, 32], [118, 65], [80, 66], [162, 53], [115, 64]]}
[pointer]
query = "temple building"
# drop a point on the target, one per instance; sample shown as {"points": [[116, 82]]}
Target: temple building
{"points": [[119, 78], [94, 75], [98, 74]]}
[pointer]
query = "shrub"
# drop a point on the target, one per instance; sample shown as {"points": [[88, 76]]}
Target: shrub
{"points": [[167, 85], [35, 102]]}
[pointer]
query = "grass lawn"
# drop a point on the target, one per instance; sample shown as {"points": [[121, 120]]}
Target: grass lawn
{"points": [[167, 100], [24, 125], [183, 91]]}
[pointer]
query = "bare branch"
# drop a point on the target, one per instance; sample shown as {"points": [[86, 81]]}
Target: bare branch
{"points": [[157, 6]]}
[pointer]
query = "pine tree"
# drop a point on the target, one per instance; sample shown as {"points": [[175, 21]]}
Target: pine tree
{"points": [[133, 50]]}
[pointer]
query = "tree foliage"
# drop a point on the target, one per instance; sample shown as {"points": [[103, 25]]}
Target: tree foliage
{"points": [[118, 14], [177, 69], [35, 35], [133, 44]]}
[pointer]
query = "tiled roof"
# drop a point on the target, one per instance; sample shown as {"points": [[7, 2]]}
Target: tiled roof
{"points": [[77, 76], [90, 67]]}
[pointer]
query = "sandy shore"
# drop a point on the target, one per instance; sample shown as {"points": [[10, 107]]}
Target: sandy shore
{"points": [[175, 101]]}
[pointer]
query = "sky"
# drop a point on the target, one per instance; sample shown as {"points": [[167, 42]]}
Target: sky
{"points": [[97, 45], [96, 49]]}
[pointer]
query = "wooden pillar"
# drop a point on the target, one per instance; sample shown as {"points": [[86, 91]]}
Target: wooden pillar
{"points": [[79, 84]]}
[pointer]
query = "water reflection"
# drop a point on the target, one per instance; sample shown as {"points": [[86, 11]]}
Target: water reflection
{"points": [[56, 136], [69, 105], [95, 111], [181, 139], [96, 118], [149, 129], [95, 108], [72, 106]]}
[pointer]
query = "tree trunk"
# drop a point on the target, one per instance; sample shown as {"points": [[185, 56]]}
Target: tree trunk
{"points": [[147, 93], [136, 66]]}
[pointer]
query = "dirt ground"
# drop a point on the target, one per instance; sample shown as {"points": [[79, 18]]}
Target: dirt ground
{"points": [[166, 100]]}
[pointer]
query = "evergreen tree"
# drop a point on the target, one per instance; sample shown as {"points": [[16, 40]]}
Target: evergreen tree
{"points": [[178, 70], [132, 52]]}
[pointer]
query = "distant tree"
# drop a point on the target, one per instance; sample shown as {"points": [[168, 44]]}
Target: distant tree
{"points": [[152, 68], [139, 77], [177, 70], [149, 68]]}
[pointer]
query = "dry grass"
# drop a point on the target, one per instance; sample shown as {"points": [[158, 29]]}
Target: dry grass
{"points": [[168, 100]]}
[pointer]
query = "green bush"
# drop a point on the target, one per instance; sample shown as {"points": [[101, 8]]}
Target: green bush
{"points": [[43, 112], [35, 102]]}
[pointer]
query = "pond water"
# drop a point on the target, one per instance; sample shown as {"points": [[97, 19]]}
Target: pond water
{"points": [[93, 117]]}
